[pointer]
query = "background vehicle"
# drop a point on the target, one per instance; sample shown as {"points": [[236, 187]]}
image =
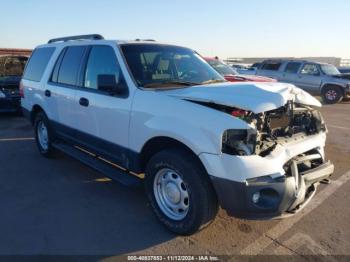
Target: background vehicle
{"points": [[315, 78], [251, 70], [141, 109], [11, 70], [344, 70], [230, 74]]}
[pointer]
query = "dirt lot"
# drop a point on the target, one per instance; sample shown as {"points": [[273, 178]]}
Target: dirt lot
{"points": [[59, 206]]}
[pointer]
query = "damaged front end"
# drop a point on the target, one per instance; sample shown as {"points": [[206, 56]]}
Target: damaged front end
{"points": [[272, 128], [276, 138]]}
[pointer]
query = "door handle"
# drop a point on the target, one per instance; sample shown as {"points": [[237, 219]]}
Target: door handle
{"points": [[83, 101], [47, 93]]}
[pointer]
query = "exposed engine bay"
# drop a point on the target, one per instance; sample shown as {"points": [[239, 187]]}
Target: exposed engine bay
{"points": [[269, 128]]}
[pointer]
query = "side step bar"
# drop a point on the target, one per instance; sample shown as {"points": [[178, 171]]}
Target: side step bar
{"points": [[104, 167]]}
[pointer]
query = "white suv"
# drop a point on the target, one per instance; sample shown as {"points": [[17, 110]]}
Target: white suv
{"points": [[141, 110]]}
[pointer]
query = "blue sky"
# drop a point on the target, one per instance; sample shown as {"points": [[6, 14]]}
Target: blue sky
{"points": [[218, 27]]}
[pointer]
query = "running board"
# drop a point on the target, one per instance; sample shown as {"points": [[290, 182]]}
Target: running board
{"points": [[105, 167]]}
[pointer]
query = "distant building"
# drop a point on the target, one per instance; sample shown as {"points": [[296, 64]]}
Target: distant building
{"points": [[345, 62], [15, 51], [337, 61]]}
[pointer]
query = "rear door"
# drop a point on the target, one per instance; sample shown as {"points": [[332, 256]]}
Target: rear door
{"points": [[62, 88], [103, 119], [309, 78], [290, 73]]}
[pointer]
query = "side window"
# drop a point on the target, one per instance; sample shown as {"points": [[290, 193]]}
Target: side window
{"points": [[310, 69], [37, 63], [102, 61], [273, 66], [70, 65], [292, 67]]}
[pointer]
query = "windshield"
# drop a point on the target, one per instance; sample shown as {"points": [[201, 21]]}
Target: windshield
{"points": [[330, 70], [222, 68], [154, 65]]}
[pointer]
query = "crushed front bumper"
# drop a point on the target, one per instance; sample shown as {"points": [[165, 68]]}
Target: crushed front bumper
{"points": [[268, 197]]}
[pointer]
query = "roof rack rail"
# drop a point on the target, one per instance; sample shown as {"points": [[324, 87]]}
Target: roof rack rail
{"points": [[149, 40], [76, 37]]}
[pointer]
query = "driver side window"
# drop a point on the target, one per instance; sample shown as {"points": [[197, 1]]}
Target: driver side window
{"points": [[310, 69], [102, 61]]}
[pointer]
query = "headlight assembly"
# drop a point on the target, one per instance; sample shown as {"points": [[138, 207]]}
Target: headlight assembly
{"points": [[238, 142]]}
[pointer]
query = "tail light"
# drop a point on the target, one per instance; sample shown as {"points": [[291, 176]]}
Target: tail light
{"points": [[21, 89]]}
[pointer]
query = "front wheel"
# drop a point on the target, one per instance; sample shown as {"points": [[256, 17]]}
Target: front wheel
{"points": [[332, 94], [180, 191]]}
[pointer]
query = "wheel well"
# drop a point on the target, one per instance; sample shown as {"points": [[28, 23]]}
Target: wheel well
{"points": [[36, 109], [326, 85], [158, 144]]}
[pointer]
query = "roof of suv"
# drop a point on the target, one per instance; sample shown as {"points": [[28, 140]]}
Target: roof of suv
{"points": [[92, 38], [292, 60]]}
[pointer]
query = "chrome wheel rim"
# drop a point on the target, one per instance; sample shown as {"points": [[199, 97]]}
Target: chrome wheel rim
{"points": [[43, 135], [331, 94], [171, 194]]}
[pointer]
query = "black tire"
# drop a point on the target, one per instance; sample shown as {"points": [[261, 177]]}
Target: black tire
{"points": [[49, 151], [332, 94], [203, 204]]}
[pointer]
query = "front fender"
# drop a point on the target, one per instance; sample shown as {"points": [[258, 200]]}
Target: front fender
{"points": [[196, 126]]}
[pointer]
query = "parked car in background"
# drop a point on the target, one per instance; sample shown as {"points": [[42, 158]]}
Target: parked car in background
{"points": [[230, 74], [344, 70], [251, 70], [145, 110], [240, 66], [11, 70], [315, 78]]}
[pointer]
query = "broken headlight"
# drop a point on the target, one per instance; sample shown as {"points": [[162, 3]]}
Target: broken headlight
{"points": [[239, 142]]}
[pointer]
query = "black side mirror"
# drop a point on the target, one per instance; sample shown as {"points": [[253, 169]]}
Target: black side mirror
{"points": [[109, 84]]}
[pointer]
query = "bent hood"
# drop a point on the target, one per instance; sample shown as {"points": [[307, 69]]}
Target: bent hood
{"points": [[343, 76], [250, 78], [255, 97]]}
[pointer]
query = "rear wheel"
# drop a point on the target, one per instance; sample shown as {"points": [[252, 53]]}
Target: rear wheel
{"points": [[43, 135], [332, 94], [180, 191]]}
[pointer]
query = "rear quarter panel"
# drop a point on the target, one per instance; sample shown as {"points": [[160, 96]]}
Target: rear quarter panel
{"points": [[34, 91]]}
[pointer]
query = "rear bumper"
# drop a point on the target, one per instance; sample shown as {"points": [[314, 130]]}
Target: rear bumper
{"points": [[279, 197]]}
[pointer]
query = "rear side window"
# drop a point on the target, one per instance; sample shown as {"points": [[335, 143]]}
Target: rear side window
{"points": [[292, 67], [68, 65], [273, 66], [37, 63]]}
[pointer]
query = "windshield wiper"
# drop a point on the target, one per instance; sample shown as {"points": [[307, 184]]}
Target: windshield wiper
{"points": [[213, 81], [172, 82]]}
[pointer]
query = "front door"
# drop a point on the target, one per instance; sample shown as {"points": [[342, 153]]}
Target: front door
{"points": [[309, 78], [103, 119]]}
